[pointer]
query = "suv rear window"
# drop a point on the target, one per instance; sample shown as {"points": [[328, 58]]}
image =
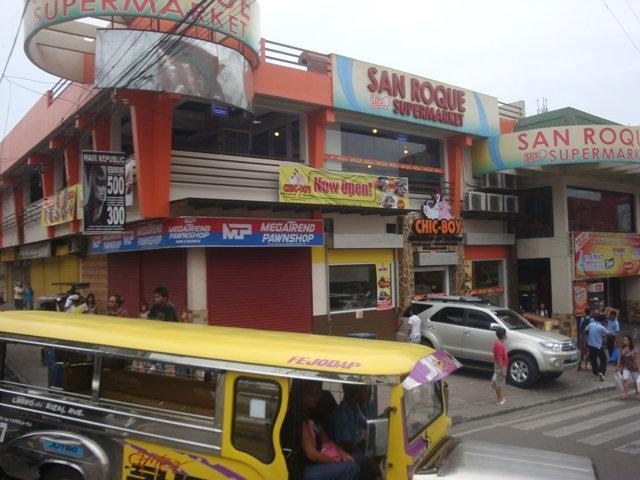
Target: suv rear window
{"points": [[418, 308], [450, 315]]}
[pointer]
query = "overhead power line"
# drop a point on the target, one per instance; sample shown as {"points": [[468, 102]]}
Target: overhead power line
{"points": [[632, 10], [15, 39], [622, 26]]}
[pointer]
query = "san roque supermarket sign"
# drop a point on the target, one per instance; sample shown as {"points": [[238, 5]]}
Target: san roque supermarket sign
{"points": [[557, 146]]}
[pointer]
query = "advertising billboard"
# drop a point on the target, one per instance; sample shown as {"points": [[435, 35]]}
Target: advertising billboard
{"points": [[182, 65], [376, 90], [103, 192], [300, 184], [600, 255], [557, 146], [185, 232]]}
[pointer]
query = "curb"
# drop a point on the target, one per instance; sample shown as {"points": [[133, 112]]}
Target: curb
{"points": [[458, 419]]}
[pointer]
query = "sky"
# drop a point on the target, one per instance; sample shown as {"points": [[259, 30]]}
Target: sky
{"points": [[571, 52]]}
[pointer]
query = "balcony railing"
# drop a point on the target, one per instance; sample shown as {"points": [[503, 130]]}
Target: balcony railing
{"points": [[294, 57]]}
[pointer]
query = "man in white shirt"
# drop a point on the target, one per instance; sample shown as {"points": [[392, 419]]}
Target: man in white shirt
{"points": [[414, 326]]}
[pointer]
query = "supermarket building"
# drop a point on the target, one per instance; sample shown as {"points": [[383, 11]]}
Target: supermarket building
{"points": [[277, 188]]}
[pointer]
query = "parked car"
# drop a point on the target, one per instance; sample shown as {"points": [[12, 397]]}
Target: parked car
{"points": [[465, 327]]}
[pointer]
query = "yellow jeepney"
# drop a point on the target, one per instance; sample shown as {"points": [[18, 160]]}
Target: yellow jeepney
{"points": [[95, 398]]}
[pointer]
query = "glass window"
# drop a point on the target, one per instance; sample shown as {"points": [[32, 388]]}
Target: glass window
{"points": [[48, 368], [422, 405], [35, 187], [430, 282], [396, 148], [352, 287], [255, 407], [599, 211], [512, 320], [163, 386], [486, 274], [450, 315], [536, 213], [478, 319]]}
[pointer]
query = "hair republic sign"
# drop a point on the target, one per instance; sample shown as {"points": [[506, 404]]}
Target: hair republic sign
{"points": [[436, 220], [381, 91], [185, 232]]}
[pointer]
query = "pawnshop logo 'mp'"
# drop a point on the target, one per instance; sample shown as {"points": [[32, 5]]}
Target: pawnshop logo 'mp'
{"points": [[235, 231]]}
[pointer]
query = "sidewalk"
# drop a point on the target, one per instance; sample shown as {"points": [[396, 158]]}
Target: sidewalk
{"points": [[471, 396]]}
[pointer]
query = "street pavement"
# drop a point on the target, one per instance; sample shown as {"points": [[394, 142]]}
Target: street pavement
{"points": [[471, 396], [600, 426]]}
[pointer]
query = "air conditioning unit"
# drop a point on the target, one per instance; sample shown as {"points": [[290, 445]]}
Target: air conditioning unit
{"points": [[495, 202], [491, 180], [509, 182], [476, 201], [511, 204]]}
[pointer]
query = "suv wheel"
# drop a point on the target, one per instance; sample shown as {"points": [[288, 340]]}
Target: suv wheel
{"points": [[523, 370]]}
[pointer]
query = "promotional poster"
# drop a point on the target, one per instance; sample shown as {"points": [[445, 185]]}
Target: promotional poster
{"points": [[104, 192]]}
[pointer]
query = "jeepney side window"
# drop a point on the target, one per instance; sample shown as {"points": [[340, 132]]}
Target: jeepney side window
{"points": [[255, 407], [48, 368], [160, 385]]}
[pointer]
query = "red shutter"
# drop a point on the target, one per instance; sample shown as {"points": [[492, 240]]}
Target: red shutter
{"points": [[166, 268], [268, 288], [124, 279]]}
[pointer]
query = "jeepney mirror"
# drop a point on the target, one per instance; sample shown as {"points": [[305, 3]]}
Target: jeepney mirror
{"points": [[377, 437]]}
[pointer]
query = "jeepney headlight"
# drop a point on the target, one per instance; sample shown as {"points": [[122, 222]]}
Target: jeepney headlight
{"points": [[551, 346]]}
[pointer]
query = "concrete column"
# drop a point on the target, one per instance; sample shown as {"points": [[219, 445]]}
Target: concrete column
{"points": [[197, 282], [319, 281]]}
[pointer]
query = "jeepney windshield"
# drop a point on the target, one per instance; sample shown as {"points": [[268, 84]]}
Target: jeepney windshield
{"points": [[422, 405]]}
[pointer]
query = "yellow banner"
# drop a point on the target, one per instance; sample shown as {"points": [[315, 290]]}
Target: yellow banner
{"points": [[300, 184], [60, 208], [599, 255], [383, 277]]}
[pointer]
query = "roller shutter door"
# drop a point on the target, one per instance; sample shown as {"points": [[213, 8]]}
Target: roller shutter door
{"points": [[267, 289], [69, 268], [167, 268], [124, 279]]}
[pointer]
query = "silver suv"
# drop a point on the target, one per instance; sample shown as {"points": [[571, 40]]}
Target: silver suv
{"points": [[465, 327]]}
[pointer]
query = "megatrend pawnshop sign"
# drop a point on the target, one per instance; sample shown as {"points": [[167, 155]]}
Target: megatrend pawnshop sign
{"points": [[613, 144], [185, 232]]}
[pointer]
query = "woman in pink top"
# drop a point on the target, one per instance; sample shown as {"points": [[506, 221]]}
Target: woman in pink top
{"points": [[629, 365]]}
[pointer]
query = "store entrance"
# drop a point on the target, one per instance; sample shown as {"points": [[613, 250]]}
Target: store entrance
{"points": [[431, 280], [534, 284]]}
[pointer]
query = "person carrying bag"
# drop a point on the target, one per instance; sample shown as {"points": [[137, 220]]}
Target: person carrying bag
{"points": [[628, 367]]}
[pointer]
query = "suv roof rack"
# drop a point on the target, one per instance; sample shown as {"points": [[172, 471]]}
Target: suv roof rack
{"points": [[454, 298]]}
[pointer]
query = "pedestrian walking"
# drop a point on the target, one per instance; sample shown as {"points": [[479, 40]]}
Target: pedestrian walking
{"points": [[629, 366], [583, 322], [415, 323], [162, 308], [28, 297], [613, 326], [114, 306], [500, 362], [596, 334], [18, 296], [76, 305], [91, 307]]}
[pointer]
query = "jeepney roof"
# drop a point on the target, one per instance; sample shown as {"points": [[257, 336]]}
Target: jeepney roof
{"points": [[278, 353]]}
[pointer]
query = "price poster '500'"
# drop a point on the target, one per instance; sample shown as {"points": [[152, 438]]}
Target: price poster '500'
{"points": [[104, 192]]}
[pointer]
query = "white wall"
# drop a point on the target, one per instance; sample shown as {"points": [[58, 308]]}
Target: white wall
{"points": [[196, 279], [319, 280]]}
